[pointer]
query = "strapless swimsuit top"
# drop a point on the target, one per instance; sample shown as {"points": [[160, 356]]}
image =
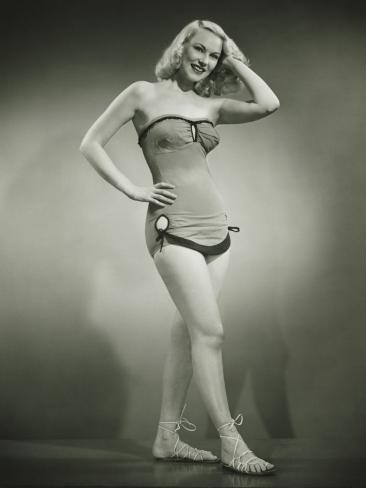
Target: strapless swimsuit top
{"points": [[170, 132]]}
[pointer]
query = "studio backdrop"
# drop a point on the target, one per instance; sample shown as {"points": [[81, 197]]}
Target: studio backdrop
{"points": [[85, 316]]}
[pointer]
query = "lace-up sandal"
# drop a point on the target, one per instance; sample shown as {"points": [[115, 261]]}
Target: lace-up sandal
{"points": [[185, 453], [237, 464]]}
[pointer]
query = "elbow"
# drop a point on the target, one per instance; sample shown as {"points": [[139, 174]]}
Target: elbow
{"points": [[273, 106], [85, 146], [268, 108]]}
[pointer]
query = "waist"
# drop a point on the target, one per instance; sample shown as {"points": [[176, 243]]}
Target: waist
{"points": [[183, 159]]}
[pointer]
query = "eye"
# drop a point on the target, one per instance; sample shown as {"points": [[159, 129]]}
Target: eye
{"points": [[215, 56], [199, 48]]}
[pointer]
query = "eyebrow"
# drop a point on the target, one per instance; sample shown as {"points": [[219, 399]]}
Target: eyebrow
{"points": [[213, 52]]}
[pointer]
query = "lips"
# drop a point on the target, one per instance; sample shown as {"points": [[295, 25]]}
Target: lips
{"points": [[197, 69]]}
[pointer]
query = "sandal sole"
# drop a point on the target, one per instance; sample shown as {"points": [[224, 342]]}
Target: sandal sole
{"points": [[262, 473], [187, 460]]}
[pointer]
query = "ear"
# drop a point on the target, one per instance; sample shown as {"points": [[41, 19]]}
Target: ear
{"points": [[222, 56], [218, 68]]}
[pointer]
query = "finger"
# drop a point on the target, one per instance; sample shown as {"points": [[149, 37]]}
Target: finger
{"points": [[162, 198], [167, 193], [164, 184], [153, 200], [163, 193]]}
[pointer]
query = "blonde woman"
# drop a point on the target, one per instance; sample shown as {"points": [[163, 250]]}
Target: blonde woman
{"points": [[186, 228]]}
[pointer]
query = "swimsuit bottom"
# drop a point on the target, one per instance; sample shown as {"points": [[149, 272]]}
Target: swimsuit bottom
{"points": [[165, 238]]}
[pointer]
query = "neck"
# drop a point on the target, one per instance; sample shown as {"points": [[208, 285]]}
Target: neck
{"points": [[182, 84]]}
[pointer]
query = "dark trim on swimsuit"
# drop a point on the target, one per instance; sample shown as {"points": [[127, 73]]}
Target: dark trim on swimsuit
{"points": [[164, 117], [215, 249], [204, 249]]}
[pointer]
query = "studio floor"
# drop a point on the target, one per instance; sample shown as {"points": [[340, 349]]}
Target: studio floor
{"points": [[301, 463]]}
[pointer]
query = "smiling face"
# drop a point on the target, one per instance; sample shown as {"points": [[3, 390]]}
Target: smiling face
{"points": [[200, 55]]}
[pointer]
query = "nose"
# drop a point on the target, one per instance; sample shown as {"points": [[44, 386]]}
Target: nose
{"points": [[203, 61]]}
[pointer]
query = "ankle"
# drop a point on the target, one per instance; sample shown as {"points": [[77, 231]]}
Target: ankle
{"points": [[229, 428], [166, 436], [167, 430], [228, 431]]}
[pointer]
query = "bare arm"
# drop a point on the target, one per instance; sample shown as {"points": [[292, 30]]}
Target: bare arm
{"points": [[119, 112], [264, 100]]}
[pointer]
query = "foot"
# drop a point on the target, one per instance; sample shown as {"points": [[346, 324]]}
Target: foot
{"points": [[168, 445], [236, 454]]}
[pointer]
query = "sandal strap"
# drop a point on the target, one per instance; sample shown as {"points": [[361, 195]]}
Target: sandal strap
{"points": [[241, 465], [196, 452], [245, 465], [185, 450], [251, 459], [229, 436], [237, 421], [236, 445], [238, 458], [181, 423]]}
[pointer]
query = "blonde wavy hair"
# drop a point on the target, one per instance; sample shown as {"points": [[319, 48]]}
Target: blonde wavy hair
{"points": [[222, 80]]}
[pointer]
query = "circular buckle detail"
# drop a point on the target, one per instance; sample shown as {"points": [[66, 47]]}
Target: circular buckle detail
{"points": [[162, 223]]}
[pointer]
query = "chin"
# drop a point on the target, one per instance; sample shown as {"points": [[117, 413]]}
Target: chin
{"points": [[192, 76]]}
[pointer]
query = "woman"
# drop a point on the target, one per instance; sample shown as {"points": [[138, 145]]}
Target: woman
{"points": [[186, 223]]}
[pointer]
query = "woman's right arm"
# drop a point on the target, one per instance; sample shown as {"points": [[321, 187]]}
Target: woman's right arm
{"points": [[119, 112]]}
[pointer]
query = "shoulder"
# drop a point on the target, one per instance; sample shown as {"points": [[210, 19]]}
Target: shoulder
{"points": [[139, 89], [144, 91]]}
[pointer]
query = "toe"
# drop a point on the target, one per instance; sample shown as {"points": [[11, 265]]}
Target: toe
{"points": [[208, 455], [264, 466], [257, 468]]}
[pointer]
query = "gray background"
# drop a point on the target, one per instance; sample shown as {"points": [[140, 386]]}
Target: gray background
{"points": [[84, 314]]}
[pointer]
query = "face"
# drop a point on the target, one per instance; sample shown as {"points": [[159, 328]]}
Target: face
{"points": [[200, 55]]}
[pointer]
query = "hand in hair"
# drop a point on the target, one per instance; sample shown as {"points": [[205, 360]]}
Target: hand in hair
{"points": [[229, 53]]}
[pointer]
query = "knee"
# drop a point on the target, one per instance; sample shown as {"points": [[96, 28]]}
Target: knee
{"points": [[180, 336], [214, 337]]}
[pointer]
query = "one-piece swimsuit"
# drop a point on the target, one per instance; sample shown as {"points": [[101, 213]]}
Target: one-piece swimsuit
{"points": [[175, 149]]}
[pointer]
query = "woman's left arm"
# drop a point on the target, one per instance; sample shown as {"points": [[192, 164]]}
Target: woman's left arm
{"points": [[264, 100]]}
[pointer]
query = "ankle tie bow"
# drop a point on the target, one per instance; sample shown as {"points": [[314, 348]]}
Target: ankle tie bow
{"points": [[185, 423], [181, 423], [237, 421]]}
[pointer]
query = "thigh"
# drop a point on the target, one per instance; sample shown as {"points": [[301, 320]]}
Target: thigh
{"points": [[189, 283], [217, 266]]}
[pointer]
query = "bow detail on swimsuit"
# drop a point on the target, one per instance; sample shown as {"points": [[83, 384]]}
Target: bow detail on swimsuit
{"points": [[161, 238]]}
